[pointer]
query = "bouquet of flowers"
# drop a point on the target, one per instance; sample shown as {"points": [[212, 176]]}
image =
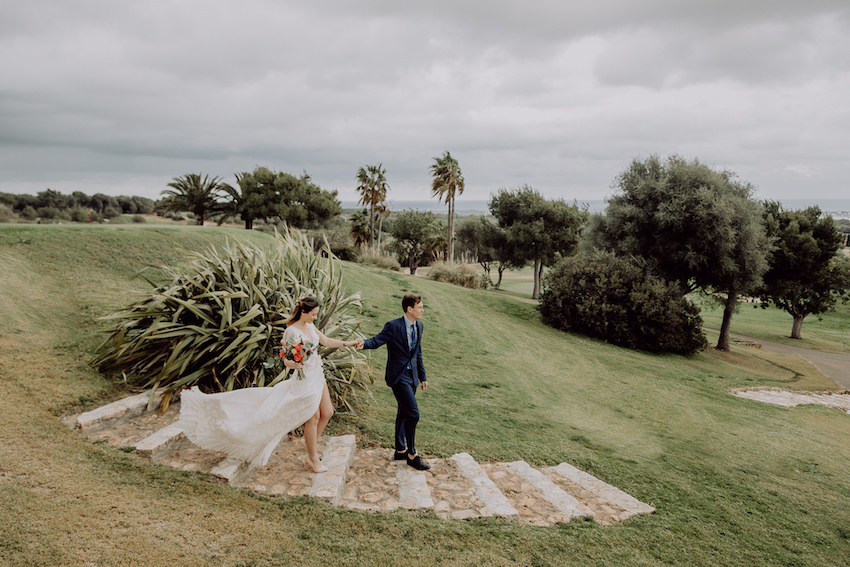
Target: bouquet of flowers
{"points": [[296, 350]]}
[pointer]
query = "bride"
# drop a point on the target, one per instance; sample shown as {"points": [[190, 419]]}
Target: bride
{"points": [[249, 423]]}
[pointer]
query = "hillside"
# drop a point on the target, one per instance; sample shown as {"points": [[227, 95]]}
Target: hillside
{"points": [[734, 482]]}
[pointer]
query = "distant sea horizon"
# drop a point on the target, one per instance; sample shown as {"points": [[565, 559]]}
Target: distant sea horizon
{"points": [[838, 208]]}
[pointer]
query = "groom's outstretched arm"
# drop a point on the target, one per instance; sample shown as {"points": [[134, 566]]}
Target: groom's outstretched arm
{"points": [[380, 339]]}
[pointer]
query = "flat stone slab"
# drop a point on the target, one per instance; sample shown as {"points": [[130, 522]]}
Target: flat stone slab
{"points": [[413, 491], [161, 442], [130, 430], [337, 457], [610, 493], [533, 509], [494, 501], [551, 492], [115, 412], [789, 399], [230, 469]]}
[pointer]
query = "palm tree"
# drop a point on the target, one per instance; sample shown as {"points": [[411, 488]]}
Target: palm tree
{"points": [[359, 228], [383, 212], [196, 195], [373, 187], [448, 182]]}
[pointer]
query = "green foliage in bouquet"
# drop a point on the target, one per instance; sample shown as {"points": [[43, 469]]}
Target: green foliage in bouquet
{"points": [[218, 324]]}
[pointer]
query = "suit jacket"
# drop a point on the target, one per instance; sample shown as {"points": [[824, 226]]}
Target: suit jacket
{"points": [[394, 335]]}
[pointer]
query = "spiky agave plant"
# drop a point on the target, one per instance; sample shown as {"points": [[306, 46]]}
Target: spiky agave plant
{"points": [[218, 324]]}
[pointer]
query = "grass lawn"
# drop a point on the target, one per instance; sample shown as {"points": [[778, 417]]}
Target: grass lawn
{"points": [[829, 333], [735, 482]]}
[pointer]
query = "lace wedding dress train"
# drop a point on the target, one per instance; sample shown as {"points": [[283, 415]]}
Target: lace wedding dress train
{"points": [[247, 424]]}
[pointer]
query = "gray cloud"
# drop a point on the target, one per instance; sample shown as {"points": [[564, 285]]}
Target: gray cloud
{"points": [[119, 98]]}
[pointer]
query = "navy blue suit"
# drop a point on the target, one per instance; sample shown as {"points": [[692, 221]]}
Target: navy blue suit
{"points": [[404, 373]]}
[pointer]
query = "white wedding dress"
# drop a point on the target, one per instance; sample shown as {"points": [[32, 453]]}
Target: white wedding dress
{"points": [[247, 424]]}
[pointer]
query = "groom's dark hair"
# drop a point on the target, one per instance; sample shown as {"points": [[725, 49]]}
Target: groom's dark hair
{"points": [[410, 300]]}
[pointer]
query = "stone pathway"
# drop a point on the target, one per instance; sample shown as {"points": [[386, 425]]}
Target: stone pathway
{"points": [[368, 479], [788, 399]]}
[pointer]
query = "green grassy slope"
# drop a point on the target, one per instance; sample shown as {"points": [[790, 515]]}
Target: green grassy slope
{"points": [[735, 482], [830, 332]]}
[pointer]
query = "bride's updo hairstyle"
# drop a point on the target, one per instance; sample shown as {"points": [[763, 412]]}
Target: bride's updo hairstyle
{"points": [[303, 305]]}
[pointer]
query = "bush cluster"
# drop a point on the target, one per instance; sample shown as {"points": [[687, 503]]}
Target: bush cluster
{"points": [[616, 300], [5, 213], [381, 260], [458, 274]]}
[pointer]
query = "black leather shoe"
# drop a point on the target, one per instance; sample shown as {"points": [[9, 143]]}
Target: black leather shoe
{"points": [[399, 456], [418, 464]]}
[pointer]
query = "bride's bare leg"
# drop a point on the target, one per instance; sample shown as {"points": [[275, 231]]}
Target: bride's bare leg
{"points": [[311, 436], [314, 427], [326, 411]]}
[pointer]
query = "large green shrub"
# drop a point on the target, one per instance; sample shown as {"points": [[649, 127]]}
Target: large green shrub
{"points": [[29, 213], [218, 324], [615, 299]]}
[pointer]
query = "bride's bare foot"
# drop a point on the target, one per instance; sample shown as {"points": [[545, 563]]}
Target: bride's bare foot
{"points": [[316, 468]]}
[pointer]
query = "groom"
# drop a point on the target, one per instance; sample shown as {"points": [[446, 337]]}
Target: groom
{"points": [[403, 337]]}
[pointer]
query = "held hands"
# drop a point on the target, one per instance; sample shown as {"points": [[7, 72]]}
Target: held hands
{"points": [[358, 343]]}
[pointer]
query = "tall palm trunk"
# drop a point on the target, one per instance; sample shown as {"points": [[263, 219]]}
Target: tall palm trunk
{"points": [[451, 258], [372, 224], [380, 229]]}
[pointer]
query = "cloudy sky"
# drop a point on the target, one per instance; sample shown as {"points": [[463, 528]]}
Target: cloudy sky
{"points": [[119, 97]]}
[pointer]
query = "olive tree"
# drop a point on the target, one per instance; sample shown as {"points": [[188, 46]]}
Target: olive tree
{"points": [[536, 229], [694, 226], [806, 276]]}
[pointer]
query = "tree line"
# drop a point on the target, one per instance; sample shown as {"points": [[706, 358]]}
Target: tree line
{"points": [[697, 229], [77, 207], [683, 225]]}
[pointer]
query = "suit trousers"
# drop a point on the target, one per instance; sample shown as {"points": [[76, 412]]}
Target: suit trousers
{"points": [[408, 412]]}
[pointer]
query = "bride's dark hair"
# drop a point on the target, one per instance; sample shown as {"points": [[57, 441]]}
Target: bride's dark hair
{"points": [[303, 305]]}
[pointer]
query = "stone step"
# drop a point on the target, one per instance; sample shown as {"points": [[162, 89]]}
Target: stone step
{"points": [[372, 483], [550, 492], [191, 458], [162, 442], [455, 497], [413, 490], [454, 488], [116, 412], [532, 508], [285, 474], [494, 501], [230, 469], [609, 498], [129, 431], [337, 456]]}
